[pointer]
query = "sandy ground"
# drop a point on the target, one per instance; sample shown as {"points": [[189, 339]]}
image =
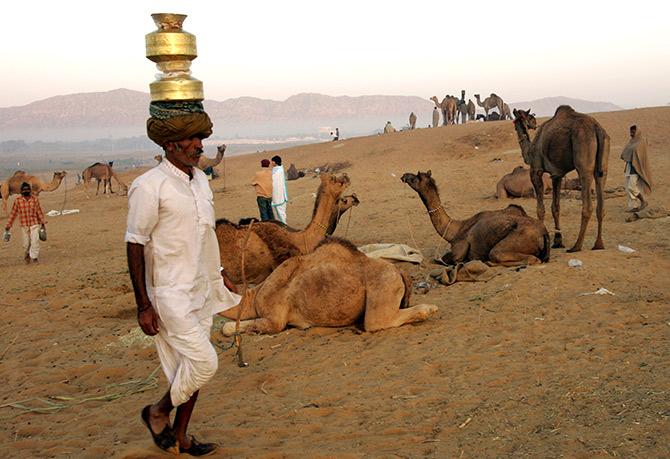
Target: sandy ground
{"points": [[519, 366]]}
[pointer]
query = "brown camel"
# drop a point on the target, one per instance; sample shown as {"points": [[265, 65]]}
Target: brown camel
{"points": [[517, 184], [335, 286], [471, 110], [505, 237], [568, 141], [448, 107], [492, 101], [506, 114], [102, 173], [270, 242], [13, 185], [412, 120]]}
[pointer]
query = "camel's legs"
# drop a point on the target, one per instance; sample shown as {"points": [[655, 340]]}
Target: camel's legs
{"points": [[600, 211], [556, 211], [518, 248], [501, 192], [262, 325], [459, 251], [97, 190], [587, 209], [536, 180], [380, 320]]}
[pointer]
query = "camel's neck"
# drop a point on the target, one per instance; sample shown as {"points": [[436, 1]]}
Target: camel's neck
{"points": [[442, 222], [524, 138], [324, 217], [479, 102], [55, 183]]}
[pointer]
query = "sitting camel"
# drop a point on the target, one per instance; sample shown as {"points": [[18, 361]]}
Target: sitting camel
{"points": [[102, 173], [335, 286], [13, 185], [517, 184], [505, 237], [270, 242]]}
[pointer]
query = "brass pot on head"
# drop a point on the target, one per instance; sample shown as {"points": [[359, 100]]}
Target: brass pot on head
{"points": [[172, 49]]}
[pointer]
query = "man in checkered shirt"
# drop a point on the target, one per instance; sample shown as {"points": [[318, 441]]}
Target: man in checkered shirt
{"points": [[31, 217]]}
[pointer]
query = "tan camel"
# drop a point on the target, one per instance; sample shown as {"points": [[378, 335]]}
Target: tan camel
{"points": [[505, 237], [412, 120], [472, 110], [102, 173], [158, 158], [448, 106], [335, 286], [271, 243], [205, 162], [13, 185], [517, 184], [492, 101], [568, 141]]}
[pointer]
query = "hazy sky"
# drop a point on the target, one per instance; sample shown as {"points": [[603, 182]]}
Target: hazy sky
{"points": [[596, 50]]}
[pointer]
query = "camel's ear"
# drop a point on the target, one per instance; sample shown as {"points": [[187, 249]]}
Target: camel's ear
{"points": [[429, 173], [528, 112]]}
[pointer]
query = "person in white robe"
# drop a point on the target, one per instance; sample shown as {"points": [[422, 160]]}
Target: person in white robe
{"points": [[279, 189]]}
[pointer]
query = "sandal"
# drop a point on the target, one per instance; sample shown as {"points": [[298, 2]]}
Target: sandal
{"points": [[165, 440], [198, 449]]}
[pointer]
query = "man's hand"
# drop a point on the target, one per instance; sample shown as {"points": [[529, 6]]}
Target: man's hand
{"points": [[147, 318], [228, 283]]}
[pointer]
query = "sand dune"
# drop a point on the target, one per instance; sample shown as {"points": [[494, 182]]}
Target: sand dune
{"points": [[519, 366]]}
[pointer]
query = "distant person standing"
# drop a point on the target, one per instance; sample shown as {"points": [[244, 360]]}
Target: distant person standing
{"points": [[279, 190], [263, 183], [436, 117], [31, 217], [412, 120], [637, 173], [337, 134]]}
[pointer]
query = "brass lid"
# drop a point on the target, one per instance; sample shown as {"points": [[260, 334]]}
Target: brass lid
{"points": [[177, 89]]}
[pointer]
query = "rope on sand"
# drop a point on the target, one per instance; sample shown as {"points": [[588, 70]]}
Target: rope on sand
{"points": [[59, 402]]}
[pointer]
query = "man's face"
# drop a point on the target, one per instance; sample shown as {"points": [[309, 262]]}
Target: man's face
{"points": [[273, 163], [25, 191], [185, 152]]}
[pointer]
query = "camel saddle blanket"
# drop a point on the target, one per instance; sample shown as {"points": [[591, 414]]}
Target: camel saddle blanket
{"points": [[472, 271], [398, 252]]}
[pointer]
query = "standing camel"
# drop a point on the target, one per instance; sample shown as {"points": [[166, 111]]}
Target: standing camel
{"points": [[492, 101], [448, 107], [102, 173], [568, 141], [412, 120], [505, 237], [13, 185], [205, 162], [472, 109]]}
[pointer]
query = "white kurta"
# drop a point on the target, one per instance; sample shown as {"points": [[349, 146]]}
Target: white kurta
{"points": [[279, 193], [172, 216]]}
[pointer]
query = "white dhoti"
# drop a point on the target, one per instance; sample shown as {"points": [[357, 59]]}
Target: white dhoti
{"points": [[632, 191], [280, 212], [279, 193], [188, 360], [30, 236]]}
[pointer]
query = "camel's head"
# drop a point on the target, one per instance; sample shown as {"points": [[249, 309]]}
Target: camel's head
{"points": [[333, 184], [526, 118], [60, 175], [221, 149], [347, 202], [419, 181], [158, 158]]}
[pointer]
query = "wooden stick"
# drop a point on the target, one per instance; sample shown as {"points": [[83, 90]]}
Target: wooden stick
{"points": [[238, 338]]}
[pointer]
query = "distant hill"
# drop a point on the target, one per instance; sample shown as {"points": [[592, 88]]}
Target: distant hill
{"points": [[547, 106], [122, 113]]}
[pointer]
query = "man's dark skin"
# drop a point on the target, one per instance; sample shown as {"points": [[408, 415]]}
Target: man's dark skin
{"points": [[184, 155]]}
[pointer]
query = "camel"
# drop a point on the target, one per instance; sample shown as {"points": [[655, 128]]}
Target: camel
{"points": [[13, 185], [471, 110], [448, 107], [204, 162], [507, 237], [270, 243], [102, 173], [335, 286], [412, 120], [158, 158], [505, 114], [493, 101], [517, 184], [568, 141], [463, 112]]}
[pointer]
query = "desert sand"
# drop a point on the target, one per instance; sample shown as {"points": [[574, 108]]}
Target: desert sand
{"points": [[522, 365]]}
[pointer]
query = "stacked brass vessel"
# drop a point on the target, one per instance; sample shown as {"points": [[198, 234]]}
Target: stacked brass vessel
{"points": [[172, 49]]}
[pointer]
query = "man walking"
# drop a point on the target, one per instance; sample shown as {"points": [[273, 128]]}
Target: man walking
{"points": [[174, 265], [279, 190], [262, 182], [637, 173], [31, 217]]}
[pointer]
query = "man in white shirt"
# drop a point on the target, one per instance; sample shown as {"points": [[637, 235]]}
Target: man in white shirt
{"points": [[173, 260], [279, 190]]}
